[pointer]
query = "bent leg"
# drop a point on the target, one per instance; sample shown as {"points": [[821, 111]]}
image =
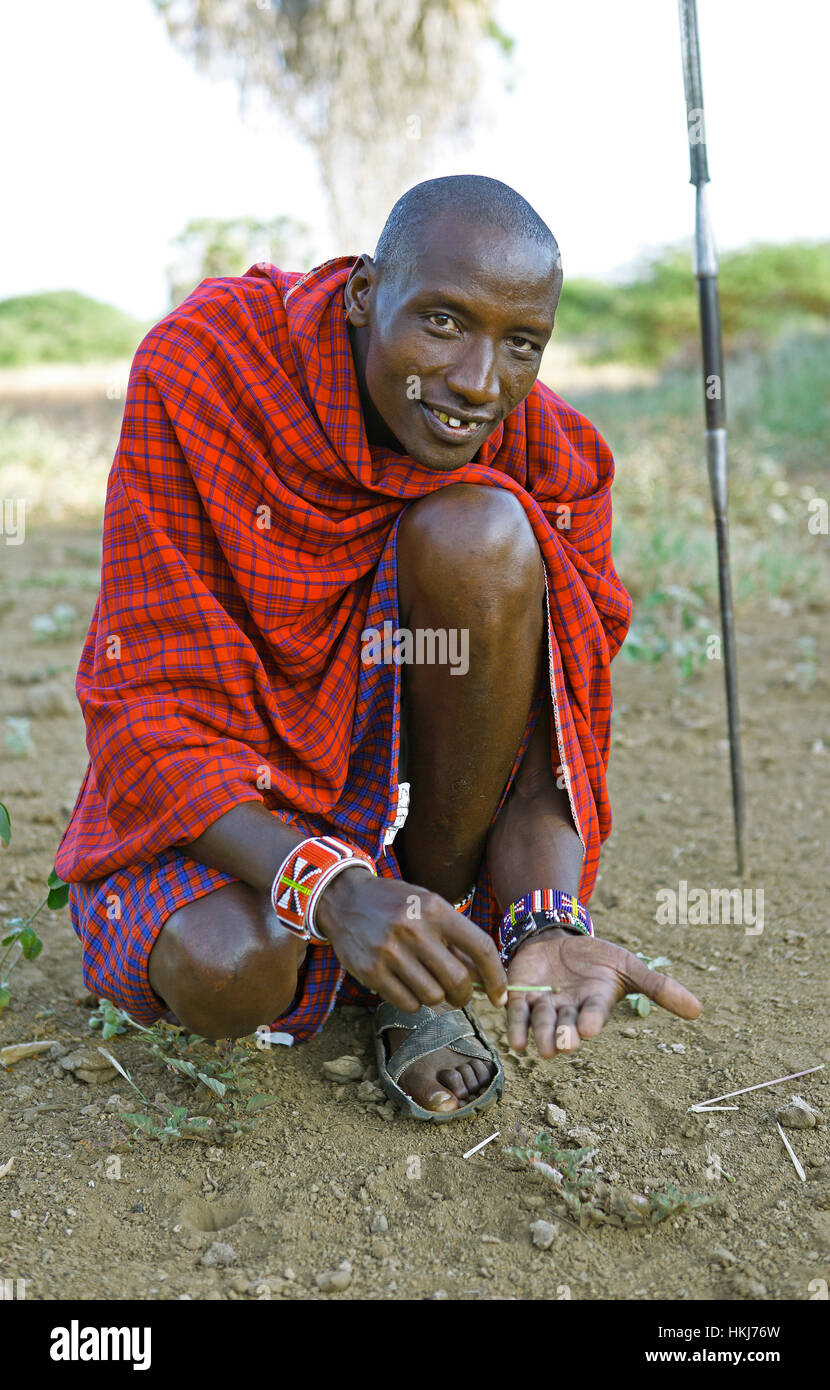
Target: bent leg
{"points": [[224, 964], [467, 559]]}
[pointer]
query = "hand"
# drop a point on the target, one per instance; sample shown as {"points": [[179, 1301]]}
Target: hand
{"points": [[588, 978], [407, 960]]}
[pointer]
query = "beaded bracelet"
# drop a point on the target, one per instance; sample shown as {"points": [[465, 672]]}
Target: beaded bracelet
{"points": [[537, 911], [302, 876]]}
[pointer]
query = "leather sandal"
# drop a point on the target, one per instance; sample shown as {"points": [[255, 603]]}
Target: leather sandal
{"points": [[459, 1029]]}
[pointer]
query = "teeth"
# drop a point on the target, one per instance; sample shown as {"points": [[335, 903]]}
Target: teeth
{"points": [[452, 421]]}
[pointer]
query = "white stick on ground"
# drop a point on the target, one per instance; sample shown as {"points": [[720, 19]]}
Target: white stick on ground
{"points": [[476, 1147], [788, 1146], [701, 1104]]}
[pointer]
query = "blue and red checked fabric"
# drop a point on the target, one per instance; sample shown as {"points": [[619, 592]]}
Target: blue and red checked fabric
{"points": [[249, 538]]}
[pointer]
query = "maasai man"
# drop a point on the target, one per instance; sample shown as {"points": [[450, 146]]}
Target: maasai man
{"points": [[353, 548]]}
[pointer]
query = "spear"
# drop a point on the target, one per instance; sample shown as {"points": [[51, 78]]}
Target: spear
{"points": [[706, 270]]}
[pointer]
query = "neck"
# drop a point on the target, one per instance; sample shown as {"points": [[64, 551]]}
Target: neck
{"points": [[377, 430]]}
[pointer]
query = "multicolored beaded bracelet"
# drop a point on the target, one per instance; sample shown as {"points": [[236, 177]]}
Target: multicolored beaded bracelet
{"points": [[535, 912]]}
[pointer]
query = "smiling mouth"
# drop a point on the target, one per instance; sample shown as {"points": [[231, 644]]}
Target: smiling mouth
{"points": [[450, 426]]}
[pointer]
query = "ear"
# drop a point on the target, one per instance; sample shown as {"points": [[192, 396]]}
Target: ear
{"points": [[358, 291]]}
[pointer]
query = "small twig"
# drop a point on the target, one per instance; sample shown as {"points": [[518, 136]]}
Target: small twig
{"points": [[476, 1147], [701, 1104], [788, 1146], [531, 989]]}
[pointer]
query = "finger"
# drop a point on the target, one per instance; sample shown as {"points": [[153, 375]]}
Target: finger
{"points": [[441, 961], [665, 991], [518, 1016], [593, 1015], [419, 979], [543, 1021], [460, 931], [567, 1035], [395, 992]]}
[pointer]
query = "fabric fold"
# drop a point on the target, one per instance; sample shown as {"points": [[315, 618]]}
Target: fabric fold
{"points": [[245, 521]]}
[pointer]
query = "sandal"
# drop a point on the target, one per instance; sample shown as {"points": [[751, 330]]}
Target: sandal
{"points": [[459, 1029]]}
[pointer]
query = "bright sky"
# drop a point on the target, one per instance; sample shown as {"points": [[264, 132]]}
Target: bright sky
{"points": [[112, 142]]}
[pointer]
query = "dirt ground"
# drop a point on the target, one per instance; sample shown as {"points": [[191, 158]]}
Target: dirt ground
{"points": [[89, 1211]]}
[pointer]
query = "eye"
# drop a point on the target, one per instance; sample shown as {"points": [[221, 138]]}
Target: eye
{"points": [[522, 344], [446, 321]]}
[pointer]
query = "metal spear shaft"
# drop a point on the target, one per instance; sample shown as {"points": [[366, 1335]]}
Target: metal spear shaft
{"points": [[706, 270]]}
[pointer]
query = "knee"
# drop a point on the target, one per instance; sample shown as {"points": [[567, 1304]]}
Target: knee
{"points": [[469, 539], [225, 973]]}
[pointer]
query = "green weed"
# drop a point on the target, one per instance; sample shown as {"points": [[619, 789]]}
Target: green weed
{"points": [[222, 1081], [22, 942], [582, 1195]]}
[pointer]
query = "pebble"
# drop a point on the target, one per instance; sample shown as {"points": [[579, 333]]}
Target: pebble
{"points": [[379, 1225], [797, 1114], [439, 1294], [370, 1091], [629, 1032], [333, 1280], [89, 1065], [543, 1234], [584, 1135], [343, 1069], [723, 1256], [555, 1115], [381, 1249], [750, 1288], [531, 1200], [219, 1253]]}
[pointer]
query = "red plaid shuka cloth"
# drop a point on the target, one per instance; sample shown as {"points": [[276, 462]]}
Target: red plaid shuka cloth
{"points": [[249, 538]]}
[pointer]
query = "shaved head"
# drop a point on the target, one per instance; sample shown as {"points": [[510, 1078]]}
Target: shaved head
{"points": [[448, 321], [482, 201]]}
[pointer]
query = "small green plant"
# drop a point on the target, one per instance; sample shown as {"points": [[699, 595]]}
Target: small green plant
{"points": [[671, 622], [22, 941], [225, 1076], [640, 1003], [59, 622], [582, 1195], [18, 737], [109, 1019]]}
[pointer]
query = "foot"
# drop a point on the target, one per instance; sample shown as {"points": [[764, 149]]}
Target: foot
{"points": [[446, 1079]]}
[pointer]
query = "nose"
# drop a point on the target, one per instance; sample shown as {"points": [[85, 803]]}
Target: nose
{"points": [[473, 374]]}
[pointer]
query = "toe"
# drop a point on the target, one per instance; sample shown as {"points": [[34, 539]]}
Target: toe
{"points": [[439, 1099], [471, 1081], [454, 1081], [484, 1073]]}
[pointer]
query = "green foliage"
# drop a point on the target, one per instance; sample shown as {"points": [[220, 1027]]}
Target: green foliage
{"points": [[584, 1197], [64, 326], [109, 1019], [17, 736], [58, 623], [640, 1003], [210, 247], [225, 1075], [22, 941], [652, 319]]}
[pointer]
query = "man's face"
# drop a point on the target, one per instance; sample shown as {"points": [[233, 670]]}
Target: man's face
{"points": [[449, 345]]}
